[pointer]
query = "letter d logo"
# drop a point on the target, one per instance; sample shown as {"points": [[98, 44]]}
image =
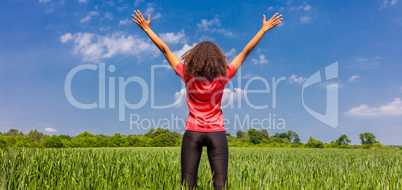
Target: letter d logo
{"points": [[331, 114]]}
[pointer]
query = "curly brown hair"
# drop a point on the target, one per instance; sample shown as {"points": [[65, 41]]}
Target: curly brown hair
{"points": [[206, 60]]}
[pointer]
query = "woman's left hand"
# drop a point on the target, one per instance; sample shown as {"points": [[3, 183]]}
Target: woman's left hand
{"points": [[141, 21]]}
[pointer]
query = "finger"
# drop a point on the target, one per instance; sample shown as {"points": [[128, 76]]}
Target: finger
{"points": [[134, 21], [263, 18], [137, 15], [140, 14], [149, 18], [134, 17], [278, 17], [273, 16], [278, 20]]}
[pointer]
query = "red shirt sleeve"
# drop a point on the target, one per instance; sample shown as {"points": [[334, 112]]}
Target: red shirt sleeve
{"points": [[180, 71], [231, 71]]}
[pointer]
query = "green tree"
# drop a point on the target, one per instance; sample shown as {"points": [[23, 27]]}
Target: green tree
{"points": [[275, 139], [36, 136], [163, 140], [314, 143], [84, 139], [118, 140], [52, 142], [281, 135], [22, 142], [293, 137], [12, 132], [3, 143], [65, 137], [240, 134], [264, 133], [255, 136], [155, 132], [367, 138], [343, 140], [101, 141], [84, 134], [134, 140]]}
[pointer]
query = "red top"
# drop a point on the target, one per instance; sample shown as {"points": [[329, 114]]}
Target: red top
{"points": [[204, 100]]}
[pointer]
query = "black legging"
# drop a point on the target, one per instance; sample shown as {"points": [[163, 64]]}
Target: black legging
{"points": [[218, 155]]}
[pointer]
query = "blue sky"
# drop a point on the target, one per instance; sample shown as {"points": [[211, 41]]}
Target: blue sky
{"points": [[41, 42]]}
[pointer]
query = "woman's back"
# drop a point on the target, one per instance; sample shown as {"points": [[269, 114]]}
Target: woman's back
{"points": [[204, 99]]}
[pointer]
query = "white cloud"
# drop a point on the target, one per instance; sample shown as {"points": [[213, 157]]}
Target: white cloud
{"points": [[48, 129], [224, 32], [391, 109], [296, 8], [89, 16], [183, 50], [83, 1], [213, 26], [150, 11], [66, 37], [362, 59], [137, 2], [248, 75], [44, 1], [305, 19], [206, 24], [261, 60], [227, 96], [93, 47], [400, 89], [353, 78], [368, 63], [386, 3], [301, 7], [123, 7], [294, 79], [231, 52], [270, 8], [173, 38], [124, 22], [180, 97], [307, 8], [230, 96], [108, 15]]}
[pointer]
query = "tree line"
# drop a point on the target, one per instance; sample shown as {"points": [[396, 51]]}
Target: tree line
{"points": [[160, 137]]}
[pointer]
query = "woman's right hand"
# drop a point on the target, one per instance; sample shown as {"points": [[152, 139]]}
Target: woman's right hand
{"points": [[141, 21], [271, 23]]}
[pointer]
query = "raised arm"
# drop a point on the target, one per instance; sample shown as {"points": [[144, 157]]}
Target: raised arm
{"points": [[266, 26], [144, 25]]}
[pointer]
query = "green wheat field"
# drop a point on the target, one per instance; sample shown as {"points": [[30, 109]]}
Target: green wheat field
{"points": [[159, 168]]}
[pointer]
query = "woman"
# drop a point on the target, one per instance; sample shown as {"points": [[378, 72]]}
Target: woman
{"points": [[205, 73]]}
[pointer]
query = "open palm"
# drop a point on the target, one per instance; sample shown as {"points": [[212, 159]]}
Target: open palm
{"points": [[271, 23], [141, 21]]}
